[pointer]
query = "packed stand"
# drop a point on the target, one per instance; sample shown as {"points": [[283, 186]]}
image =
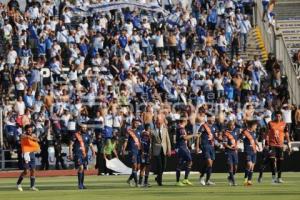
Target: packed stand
{"points": [[59, 70]]}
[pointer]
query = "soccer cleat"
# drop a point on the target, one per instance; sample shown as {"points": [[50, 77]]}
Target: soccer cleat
{"points": [[187, 182], [202, 181], [279, 180], [249, 183], [83, 187], [19, 187], [234, 184], [130, 183], [274, 180], [34, 189], [229, 181], [180, 184], [209, 183], [146, 185], [139, 185], [259, 180]]}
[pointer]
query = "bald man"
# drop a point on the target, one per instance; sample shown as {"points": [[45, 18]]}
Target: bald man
{"points": [[161, 146]]}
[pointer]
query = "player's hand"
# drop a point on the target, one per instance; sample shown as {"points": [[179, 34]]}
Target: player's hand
{"points": [[197, 150], [70, 157], [169, 153], [94, 155], [123, 153]]}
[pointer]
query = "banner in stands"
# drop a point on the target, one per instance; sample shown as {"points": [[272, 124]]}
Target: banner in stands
{"points": [[104, 7]]}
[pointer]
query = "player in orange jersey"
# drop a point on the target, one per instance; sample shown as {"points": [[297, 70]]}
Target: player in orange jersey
{"points": [[278, 132], [29, 145]]}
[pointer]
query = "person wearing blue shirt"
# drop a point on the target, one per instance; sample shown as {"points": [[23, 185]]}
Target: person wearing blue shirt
{"points": [[183, 152], [35, 78], [133, 143], [229, 92], [201, 32], [78, 151], [212, 19], [25, 54], [230, 142], [207, 137], [29, 99], [123, 40], [250, 146], [49, 44], [41, 47], [83, 47]]}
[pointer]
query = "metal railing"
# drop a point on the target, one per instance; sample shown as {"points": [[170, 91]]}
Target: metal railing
{"points": [[274, 43], [289, 69], [267, 32]]}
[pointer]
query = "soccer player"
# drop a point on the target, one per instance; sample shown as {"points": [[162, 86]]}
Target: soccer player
{"points": [[184, 154], [207, 141], [78, 150], [134, 143], [250, 148], [145, 156], [278, 131], [230, 142], [266, 158], [29, 145]]}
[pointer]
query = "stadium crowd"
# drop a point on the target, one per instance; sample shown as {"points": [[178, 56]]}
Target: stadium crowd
{"points": [[59, 70]]}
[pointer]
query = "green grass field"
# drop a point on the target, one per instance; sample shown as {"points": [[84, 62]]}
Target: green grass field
{"points": [[114, 187]]}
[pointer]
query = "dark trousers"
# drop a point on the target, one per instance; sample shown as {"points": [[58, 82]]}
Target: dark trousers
{"points": [[160, 165]]}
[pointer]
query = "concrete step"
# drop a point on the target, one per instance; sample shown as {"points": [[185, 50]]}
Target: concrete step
{"points": [[291, 37], [291, 32]]}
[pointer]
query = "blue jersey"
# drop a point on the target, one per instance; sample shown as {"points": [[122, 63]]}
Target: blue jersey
{"points": [[87, 140], [249, 138], [146, 143], [180, 141], [207, 134], [231, 138], [133, 147]]}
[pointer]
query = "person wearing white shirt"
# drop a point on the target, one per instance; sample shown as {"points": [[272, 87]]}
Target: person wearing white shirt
{"points": [[222, 42], [21, 83], [34, 12], [245, 27], [159, 43], [218, 83], [11, 57], [7, 29], [287, 115], [20, 106]]}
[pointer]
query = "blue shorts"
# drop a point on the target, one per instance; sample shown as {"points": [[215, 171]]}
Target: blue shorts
{"points": [[184, 155], [208, 152], [31, 164], [135, 157], [251, 157], [232, 157], [80, 161], [265, 5]]}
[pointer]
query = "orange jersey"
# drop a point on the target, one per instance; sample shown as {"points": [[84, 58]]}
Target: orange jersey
{"points": [[276, 134], [28, 145]]}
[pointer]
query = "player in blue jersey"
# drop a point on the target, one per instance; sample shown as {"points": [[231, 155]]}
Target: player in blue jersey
{"points": [[145, 156], [133, 142], [183, 153], [250, 149], [230, 142], [206, 142], [78, 151]]}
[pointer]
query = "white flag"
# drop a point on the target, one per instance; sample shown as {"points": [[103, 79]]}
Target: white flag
{"points": [[116, 165]]}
